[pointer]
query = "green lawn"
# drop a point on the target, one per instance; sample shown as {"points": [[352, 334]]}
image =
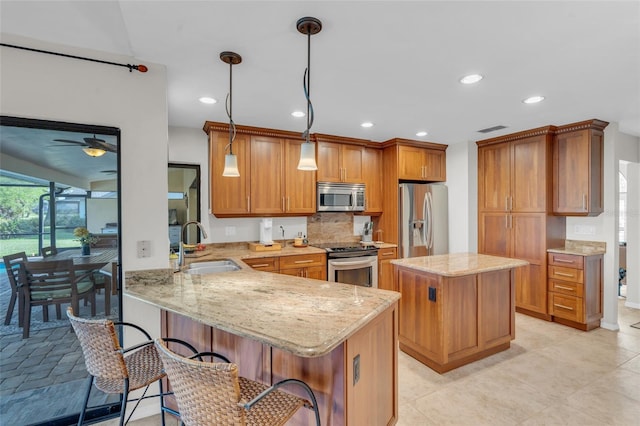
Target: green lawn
{"points": [[29, 245]]}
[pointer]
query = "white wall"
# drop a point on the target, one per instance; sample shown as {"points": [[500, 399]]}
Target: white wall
{"points": [[617, 146], [462, 175], [41, 86], [633, 235]]}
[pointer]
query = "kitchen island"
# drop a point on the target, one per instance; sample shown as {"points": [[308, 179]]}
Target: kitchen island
{"points": [[456, 308], [340, 339]]}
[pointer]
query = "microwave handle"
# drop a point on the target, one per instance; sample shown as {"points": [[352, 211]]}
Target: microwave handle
{"points": [[354, 200]]}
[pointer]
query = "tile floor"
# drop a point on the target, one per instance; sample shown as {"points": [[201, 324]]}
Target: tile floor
{"points": [[551, 375]]}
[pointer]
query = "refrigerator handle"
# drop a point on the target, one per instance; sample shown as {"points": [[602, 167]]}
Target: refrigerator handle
{"points": [[427, 221], [430, 220]]}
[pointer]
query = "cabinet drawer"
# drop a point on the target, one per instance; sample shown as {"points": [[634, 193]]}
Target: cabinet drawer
{"points": [[566, 287], [268, 264], [567, 307], [304, 260], [567, 260], [388, 253], [566, 274]]}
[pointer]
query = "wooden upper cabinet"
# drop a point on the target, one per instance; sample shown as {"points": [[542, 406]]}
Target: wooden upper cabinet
{"points": [[578, 171], [372, 172], [229, 195], [269, 183], [513, 173], [299, 185], [339, 162], [421, 164]]}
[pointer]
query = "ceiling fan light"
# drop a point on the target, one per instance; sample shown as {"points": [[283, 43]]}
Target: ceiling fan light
{"points": [[94, 152], [230, 166], [307, 157]]}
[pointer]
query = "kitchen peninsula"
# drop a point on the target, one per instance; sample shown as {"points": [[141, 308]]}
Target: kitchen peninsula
{"points": [[456, 308], [340, 339]]}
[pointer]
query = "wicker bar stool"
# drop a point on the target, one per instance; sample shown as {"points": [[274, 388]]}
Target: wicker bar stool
{"points": [[115, 370], [210, 393]]}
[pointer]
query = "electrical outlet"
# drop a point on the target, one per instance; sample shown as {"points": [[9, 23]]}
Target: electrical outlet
{"points": [[144, 248], [432, 294], [229, 231], [356, 369]]}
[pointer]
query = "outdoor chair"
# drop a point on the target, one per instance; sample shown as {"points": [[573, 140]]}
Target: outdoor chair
{"points": [[52, 282], [48, 251], [12, 265], [115, 370], [210, 393]]}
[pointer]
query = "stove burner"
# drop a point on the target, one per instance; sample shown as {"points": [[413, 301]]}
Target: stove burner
{"points": [[350, 249]]}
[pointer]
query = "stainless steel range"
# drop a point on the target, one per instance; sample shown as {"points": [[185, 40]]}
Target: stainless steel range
{"points": [[351, 263]]}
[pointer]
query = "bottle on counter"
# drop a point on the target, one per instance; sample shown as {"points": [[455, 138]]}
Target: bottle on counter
{"points": [[174, 261]]}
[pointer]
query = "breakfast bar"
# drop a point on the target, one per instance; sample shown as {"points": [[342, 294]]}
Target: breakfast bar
{"points": [[456, 308], [338, 338]]}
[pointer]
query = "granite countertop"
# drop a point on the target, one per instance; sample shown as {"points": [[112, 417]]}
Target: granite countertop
{"points": [[459, 264], [242, 251], [581, 248], [304, 316]]}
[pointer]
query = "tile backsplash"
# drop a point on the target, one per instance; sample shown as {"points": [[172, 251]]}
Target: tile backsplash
{"points": [[331, 227]]}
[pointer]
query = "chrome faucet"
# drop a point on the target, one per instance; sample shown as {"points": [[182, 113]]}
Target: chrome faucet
{"points": [[183, 237]]}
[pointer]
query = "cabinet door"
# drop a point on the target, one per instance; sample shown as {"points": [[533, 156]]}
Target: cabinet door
{"points": [[577, 173], [300, 185], [229, 195], [386, 277], [435, 165], [410, 163], [372, 171], [494, 236], [420, 322], [329, 162], [494, 177], [267, 192], [529, 175], [351, 160]]}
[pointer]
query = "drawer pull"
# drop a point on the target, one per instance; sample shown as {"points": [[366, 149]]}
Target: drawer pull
{"points": [[260, 265], [563, 260], [563, 306], [561, 287], [303, 261], [389, 253], [562, 274]]}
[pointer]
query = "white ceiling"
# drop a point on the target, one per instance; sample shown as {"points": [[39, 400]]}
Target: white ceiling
{"points": [[396, 64]]}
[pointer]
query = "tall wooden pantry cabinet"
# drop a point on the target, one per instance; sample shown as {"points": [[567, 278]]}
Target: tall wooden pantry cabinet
{"points": [[515, 209]]}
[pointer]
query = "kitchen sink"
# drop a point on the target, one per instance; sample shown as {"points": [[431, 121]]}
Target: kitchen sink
{"points": [[212, 267]]}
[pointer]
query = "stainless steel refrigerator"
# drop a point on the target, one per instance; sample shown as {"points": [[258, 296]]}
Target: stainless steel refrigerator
{"points": [[424, 221]]}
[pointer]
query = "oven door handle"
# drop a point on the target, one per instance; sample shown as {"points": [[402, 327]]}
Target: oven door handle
{"points": [[356, 263]]}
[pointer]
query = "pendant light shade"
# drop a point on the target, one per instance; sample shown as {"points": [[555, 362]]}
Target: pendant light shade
{"points": [[308, 26], [230, 160], [307, 157], [230, 166], [94, 152]]}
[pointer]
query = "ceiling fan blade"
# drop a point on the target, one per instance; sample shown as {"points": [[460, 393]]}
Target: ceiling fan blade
{"points": [[97, 143], [70, 141]]}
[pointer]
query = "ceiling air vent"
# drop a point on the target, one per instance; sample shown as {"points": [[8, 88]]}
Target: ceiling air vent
{"points": [[492, 129]]}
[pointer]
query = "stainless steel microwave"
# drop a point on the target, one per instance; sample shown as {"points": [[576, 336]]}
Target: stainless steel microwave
{"points": [[340, 197]]}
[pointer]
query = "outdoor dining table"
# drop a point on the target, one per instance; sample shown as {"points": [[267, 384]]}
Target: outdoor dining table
{"points": [[94, 262]]}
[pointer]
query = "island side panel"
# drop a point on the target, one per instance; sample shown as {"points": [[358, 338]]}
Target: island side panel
{"points": [[372, 372], [460, 300], [496, 308]]}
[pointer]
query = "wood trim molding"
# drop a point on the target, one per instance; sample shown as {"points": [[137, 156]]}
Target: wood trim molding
{"points": [[410, 142], [588, 124], [520, 135], [250, 130]]}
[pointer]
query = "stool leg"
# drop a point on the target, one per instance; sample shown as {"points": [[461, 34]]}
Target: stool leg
{"points": [[86, 400]]}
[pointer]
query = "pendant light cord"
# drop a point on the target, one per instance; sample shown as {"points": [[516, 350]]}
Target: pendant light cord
{"points": [[229, 108], [306, 84]]}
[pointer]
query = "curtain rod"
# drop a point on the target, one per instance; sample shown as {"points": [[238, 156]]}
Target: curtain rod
{"points": [[141, 68]]}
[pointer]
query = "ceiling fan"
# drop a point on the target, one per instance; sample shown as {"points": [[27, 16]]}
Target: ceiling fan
{"points": [[93, 147]]}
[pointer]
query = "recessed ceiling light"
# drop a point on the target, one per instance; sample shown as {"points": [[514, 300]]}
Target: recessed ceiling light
{"points": [[298, 114], [533, 100], [471, 78], [367, 124], [422, 133], [207, 100]]}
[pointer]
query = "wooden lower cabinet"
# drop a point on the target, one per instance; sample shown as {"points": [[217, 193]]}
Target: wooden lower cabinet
{"points": [[575, 290], [303, 265], [446, 322], [386, 276], [343, 399]]}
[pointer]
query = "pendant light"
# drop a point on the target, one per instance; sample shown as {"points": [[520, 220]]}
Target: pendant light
{"points": [[230, 160], [308, 26]]}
